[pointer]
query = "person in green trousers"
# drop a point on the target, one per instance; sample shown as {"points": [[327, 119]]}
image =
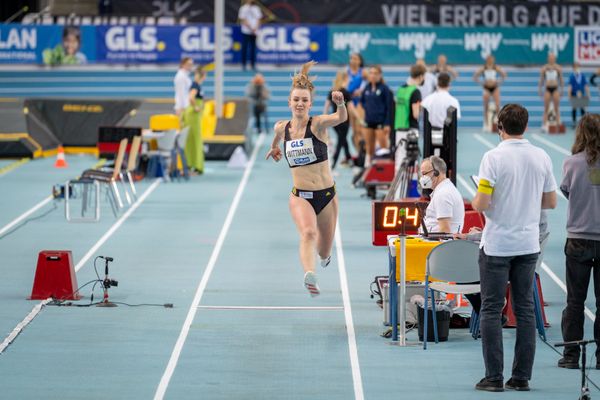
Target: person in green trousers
{"points": [[192, 118]]}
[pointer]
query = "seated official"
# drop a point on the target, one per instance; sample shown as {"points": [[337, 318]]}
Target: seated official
{"points": [[446, 210]]}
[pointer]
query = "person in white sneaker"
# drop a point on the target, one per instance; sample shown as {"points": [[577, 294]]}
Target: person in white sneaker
{"points": [[313, 203]]}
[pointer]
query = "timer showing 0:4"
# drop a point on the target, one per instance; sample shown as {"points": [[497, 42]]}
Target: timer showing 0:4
{"points": [[391, 216]]}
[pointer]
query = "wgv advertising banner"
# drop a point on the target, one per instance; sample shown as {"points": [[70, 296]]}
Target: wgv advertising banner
{"points": [[379, 45], [168, 44], [47, 44]]}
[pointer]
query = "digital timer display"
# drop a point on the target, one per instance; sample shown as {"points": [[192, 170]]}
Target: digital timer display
{"points": [[387, 219]]}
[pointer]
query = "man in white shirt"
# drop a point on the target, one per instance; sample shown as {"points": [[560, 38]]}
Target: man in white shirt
{"points": [[515, 184], [438, 102], [446, 210], [250, 16], [183, 83], [429, 80]]}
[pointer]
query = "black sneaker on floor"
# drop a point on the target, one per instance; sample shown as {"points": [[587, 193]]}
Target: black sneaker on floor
{"points": [[568, 364], [520, 385], [490, 386]]}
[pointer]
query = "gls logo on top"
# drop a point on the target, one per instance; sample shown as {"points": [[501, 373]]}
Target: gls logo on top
{"points": [[587, 44], [201, 38], [131, 38], [277, 43], [297, 143]]}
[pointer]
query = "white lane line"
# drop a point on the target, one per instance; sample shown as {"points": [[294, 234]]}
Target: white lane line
{"points": [[483, 140], [544, 266], [356, 375], [25, 214], [561, 284], [38, 308], [273, 308], [185, 329], [117, 224], [548, 143]]}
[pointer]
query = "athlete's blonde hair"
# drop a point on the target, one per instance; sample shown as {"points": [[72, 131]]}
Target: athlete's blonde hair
{"points": [[301, 80]]}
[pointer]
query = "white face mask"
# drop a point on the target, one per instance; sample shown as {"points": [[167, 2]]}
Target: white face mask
{"points": [[426, 182]]}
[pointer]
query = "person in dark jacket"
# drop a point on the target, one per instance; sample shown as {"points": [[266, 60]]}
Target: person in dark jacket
{"points": [[376, 100], [581, 185]]}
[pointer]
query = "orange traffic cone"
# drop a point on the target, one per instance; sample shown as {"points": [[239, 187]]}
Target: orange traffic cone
{"points": [[60, 158]]}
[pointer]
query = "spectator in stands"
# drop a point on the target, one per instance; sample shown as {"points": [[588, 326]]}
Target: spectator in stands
{"points": [[442, 66], [183, 83], [552, 78], [581, 185], [250, 16], [339, 84], [492, 76], [376, 101], [429, 80], [515, 183], [357, 80], [258, 93], [437, 103], [446, 210], [578, 92], [194, 146]]}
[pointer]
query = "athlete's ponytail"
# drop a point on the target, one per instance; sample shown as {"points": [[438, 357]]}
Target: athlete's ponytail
{"points": [[301, 80]]}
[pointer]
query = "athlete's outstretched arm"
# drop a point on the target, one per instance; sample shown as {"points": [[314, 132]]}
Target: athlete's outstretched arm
{"points": [[275, 151], [328, 120]]}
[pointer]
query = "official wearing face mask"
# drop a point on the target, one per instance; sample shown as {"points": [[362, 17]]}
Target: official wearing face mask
{"points": [[446, 210]]}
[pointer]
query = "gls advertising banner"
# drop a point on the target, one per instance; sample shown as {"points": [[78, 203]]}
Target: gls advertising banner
{"points": [[43, 44], [379, 45], [163, 44]]}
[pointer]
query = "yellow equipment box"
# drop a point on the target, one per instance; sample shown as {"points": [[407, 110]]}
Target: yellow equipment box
{"points": [[417, 250]]}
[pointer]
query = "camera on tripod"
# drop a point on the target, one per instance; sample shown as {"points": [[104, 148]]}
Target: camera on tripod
{"points": [[412, 146]]}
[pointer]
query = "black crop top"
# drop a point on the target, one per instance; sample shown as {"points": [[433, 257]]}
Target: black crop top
{"points": [[306, 151]]}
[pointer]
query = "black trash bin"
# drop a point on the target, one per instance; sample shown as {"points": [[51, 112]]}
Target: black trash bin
{"points": [[443, 324]]}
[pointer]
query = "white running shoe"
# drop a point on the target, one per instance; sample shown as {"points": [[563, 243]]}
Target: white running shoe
{"points": [[325, 262], [310, 283]]}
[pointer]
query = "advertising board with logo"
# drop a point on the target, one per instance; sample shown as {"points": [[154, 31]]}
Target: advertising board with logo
{"points": [[135, 44], [379, 45], [47, 44], [587, 45], [163, 44]]}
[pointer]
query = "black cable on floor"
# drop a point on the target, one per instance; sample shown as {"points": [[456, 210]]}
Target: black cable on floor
{"points": [[587, 369]]}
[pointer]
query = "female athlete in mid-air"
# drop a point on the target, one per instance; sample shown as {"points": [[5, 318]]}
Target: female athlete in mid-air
{"points": [[313, 203]]}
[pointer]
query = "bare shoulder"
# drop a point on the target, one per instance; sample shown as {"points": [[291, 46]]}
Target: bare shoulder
{"points": [[280, 126]]}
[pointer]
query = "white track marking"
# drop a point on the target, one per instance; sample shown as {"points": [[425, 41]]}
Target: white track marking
{"points": [[185, 329], [356, 375], [272, 308], [116, 225], [486, 142], [25, 215], [548, 143], [38, 308], [544, 266]]}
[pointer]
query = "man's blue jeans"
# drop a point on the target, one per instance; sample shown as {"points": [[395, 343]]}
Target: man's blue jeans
{"points": [[495, 272]]}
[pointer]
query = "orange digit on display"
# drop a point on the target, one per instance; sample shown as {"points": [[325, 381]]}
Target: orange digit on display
{"points": [[389, 221], [414, 217]]}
